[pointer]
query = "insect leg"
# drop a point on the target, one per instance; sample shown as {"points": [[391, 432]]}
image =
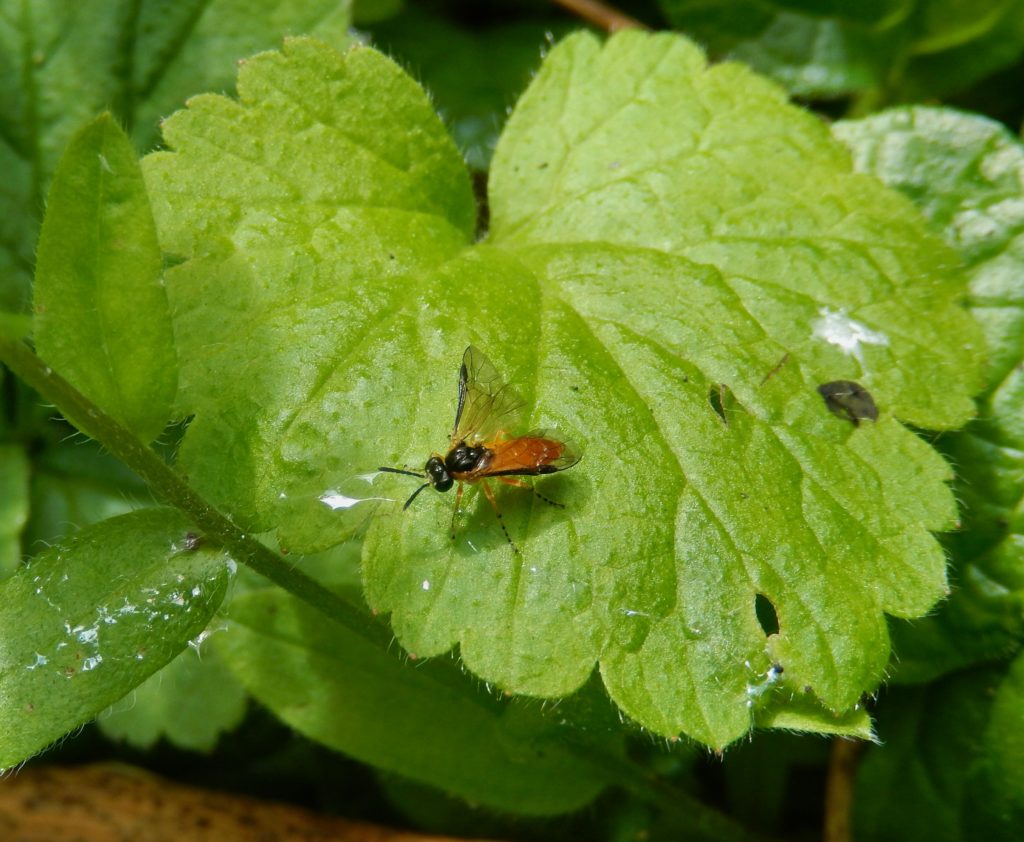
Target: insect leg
{"points": [[518, 483], [497, 514], [455, 508]]}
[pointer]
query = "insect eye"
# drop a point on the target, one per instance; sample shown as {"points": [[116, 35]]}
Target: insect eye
{"points": [[438, 474]]}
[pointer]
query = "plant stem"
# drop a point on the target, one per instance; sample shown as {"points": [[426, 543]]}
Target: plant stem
{"points": [[842, 768], [600, 14], [172, 489], [695, 816]]}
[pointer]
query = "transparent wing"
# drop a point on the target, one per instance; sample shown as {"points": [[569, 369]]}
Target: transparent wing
{"points": [[487, 404]]}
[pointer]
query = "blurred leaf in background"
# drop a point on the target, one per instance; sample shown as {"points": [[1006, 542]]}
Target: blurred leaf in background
{"points": [[473, 72], [883, 50]]}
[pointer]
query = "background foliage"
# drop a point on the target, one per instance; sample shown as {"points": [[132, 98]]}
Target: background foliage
{"points": [[667, 258]]}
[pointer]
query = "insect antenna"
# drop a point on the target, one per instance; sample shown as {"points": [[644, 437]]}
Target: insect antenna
{"points": [[402, 471], [413, 496], [408, 474]]}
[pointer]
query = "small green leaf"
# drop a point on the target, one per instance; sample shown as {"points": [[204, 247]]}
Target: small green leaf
{"points": [[190, 702], [332, 686], [88, 620], [791, 712], [966, 173], [101, 309], [14, 472]]}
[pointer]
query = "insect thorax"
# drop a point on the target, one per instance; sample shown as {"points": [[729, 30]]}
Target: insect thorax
{"points": [[462, 459]]}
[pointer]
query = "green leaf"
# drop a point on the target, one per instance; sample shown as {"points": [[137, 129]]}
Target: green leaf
{"points": [[366, 12], [190, 702], [15, 325], [474, 75], [677, 260], [895, 50], [14, 471], [101, 309], [344, 208], [792, 712], [961, 43], [63, 63], [996, 787], [86, 621], [428, 723], [186, 48], [966, 173], [818, 49], [75, 484], [944, 24], [950, 768]]}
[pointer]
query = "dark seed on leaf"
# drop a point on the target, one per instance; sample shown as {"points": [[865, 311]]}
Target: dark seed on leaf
{"points": [[849, 400]]}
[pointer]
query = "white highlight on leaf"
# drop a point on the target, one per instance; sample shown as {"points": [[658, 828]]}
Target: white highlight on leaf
{"points": [[203, 636], [92, 663], [426, 584], [755, 691], [40, 661], [87, 635], [336, 500], [838, 329]]}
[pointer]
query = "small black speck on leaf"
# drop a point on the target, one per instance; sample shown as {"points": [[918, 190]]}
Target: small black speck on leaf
{"points": [[849, 400]]}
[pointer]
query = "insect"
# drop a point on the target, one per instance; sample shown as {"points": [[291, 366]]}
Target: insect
{"points": [[849, 400], [481, 445]]}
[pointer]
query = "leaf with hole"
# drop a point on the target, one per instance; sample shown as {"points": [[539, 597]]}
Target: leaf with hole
{"points": [[966, 173], [677, 258]]}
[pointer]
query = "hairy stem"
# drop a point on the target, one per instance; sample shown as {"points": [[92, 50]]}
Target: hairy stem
{"points": [[172, 489]]}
